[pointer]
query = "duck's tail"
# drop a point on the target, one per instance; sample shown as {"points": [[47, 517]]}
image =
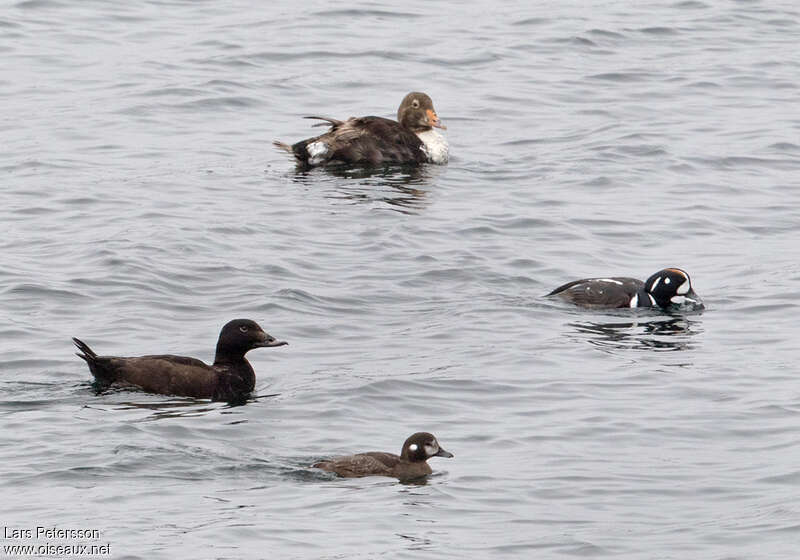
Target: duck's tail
{"points": [[87, 353], [283, 146], [97, 365]]}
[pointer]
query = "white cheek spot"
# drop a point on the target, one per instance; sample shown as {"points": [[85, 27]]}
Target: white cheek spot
{"points": [[413, 447], [666, 280], [635, 300], [677, 299], [316, 152], [684, 288], [431, 449]]}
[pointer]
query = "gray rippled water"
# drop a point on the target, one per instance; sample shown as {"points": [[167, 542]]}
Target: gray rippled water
{"points": [[142, 206]]}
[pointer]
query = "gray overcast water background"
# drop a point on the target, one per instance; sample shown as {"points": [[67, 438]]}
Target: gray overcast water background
{"points": [[143, 206]]}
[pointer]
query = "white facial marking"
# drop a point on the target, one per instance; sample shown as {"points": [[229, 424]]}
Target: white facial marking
{"points": [[316, 152], [653, 287], [635, 300], [609, 280], [684, 288], [666, 280], [435, 146], [431, 449], [652, 299], [412, 447], [677, 299]]}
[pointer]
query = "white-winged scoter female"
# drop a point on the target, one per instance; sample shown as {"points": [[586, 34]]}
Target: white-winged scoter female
{"points": [[411, 139], [670, 288], [411, 463], [230, 378]]}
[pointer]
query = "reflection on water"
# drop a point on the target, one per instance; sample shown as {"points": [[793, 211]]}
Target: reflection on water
{"points": [[394, 185], [670, 335]]}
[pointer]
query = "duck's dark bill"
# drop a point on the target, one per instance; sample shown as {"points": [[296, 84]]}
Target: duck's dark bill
{"points": [[270, 344]]}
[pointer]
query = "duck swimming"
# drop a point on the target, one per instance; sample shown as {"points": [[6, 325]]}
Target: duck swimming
{"points": [[373, 141], [669, 288], [411, 463], [229, 378]]}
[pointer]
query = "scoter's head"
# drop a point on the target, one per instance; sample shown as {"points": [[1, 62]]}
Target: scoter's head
{"points": [[672, 287], [416, 112], [240, 336], [421, 447]]}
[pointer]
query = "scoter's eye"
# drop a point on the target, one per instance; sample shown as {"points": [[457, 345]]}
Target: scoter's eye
{"points": [[243, 328], [415, 104]]}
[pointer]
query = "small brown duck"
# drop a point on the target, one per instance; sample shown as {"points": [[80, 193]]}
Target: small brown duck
{"points": [[230, 378], [372, 141], [411, 463]]}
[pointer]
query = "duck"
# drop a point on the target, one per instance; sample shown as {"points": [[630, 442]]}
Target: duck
{"points": [[410, 464], [230, 378], [376, 141], [670, 288]]}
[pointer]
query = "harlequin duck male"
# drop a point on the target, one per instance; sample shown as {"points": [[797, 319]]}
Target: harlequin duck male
{"points": [[410, 464], [377, 141], [668, 288], [230, 378]]}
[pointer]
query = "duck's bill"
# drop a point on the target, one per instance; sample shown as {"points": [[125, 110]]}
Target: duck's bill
{"points": [[434, 121], [690, 300], [270, 343], [443, 453]]}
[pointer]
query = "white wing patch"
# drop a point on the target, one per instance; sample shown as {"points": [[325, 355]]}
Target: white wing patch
{"points": [[316, 152], [609, 280], [635, 300], [435, 146]]}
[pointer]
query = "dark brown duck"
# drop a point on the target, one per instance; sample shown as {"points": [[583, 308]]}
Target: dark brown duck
{"points": [[230, 378], [411, 463], [411, 139]]}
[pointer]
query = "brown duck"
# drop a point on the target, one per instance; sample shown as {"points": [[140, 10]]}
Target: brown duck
{"points": [[230, 378], [376, 141], [411, 463]]}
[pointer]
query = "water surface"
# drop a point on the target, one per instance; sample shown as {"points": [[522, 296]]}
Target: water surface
{"points": [[143, 206]]}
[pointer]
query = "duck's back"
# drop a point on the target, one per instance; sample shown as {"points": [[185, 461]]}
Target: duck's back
{"points": [[362, 464], [165, 374], [374, 463], [362, 140], [600, 293]]}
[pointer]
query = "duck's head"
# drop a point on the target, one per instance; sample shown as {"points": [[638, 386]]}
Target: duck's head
{"points": [[416, 112], [672, 287], [421, 447]]}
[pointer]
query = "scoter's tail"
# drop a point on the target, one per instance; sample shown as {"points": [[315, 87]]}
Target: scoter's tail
{"points": [[88, 354], [283, 146], [100, 366]]}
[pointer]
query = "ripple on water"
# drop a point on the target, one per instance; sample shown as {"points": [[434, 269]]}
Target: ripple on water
{"points": [[143, 206]]}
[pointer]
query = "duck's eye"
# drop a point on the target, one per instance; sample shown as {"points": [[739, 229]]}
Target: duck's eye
{"points": [[244, 328], [415, 104]]}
